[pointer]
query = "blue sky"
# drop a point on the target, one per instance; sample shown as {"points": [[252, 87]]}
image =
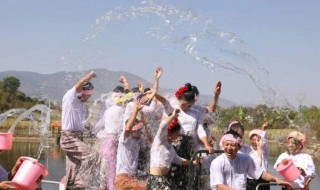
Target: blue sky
{"points": [[278, 42]]}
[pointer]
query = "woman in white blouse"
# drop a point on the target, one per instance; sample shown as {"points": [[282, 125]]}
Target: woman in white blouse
{"points": [[259, 152], [193, 136], [163, 153]]}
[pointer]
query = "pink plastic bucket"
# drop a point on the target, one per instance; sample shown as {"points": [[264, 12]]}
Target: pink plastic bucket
{"points": [[289, 171], [29, 174], [6, 141]]}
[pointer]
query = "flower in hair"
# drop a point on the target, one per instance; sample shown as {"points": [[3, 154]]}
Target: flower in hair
{"points": [[173, 124], [181, 91]]}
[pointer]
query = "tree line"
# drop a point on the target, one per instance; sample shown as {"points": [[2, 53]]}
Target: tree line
{"points": [[11, 97], [303, 118]]}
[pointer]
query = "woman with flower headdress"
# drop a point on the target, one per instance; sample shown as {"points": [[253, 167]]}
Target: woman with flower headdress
{"points": [[163, 153], [296, 141], [192, 137]]}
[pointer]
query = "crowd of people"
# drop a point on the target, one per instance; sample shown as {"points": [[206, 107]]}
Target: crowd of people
{"points": [[138, 125]]}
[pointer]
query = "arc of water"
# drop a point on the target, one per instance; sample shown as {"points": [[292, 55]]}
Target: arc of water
{"points": [[6, 114], [45, 116]]}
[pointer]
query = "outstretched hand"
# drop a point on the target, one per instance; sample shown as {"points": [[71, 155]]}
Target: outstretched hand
{"points": [[93, 74], [176, 112], [217, 89], [140, 86], [265, 125], [122, 79], [158, 72], [139, 104]]}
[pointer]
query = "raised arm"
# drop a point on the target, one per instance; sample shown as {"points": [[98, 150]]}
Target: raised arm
{"points": [[125, 83], [157, 74], [130, 123], [174, 115], [84, 80], [141, 87], [217, 90], [162, 131], [265, 125]]}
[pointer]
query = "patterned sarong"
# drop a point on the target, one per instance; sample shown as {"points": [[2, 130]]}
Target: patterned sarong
{"points": [[80, 159]]}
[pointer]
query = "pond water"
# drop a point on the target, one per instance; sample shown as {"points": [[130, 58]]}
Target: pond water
{"points": [[54, 159]]}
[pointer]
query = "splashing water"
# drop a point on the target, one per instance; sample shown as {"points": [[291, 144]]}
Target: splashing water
{"points": [[10, 112], [180, 30], [40, 122], [176, 29]]}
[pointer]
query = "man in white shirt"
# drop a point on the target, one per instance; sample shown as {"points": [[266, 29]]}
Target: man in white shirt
{"points": [[230, 170], [80, 158]]}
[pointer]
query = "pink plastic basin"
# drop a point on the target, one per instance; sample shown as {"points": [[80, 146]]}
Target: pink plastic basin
{"points": [[288, 171], [6, 141], [29, 174]]}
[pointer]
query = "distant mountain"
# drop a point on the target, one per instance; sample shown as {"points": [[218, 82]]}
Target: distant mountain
{"points": [[53, 86]]}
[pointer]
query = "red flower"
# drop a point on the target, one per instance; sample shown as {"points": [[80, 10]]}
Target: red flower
{"points": [[181, 91], [173, 124]]}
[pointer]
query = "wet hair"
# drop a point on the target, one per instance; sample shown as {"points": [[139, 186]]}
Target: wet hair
{"points": [[135, 90], [173, 126], [118, 89], [134, 122], [235, 125], [194, 89], [234, 133], [88, 86], [146, 89], [126, 91], [189, 94]]}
